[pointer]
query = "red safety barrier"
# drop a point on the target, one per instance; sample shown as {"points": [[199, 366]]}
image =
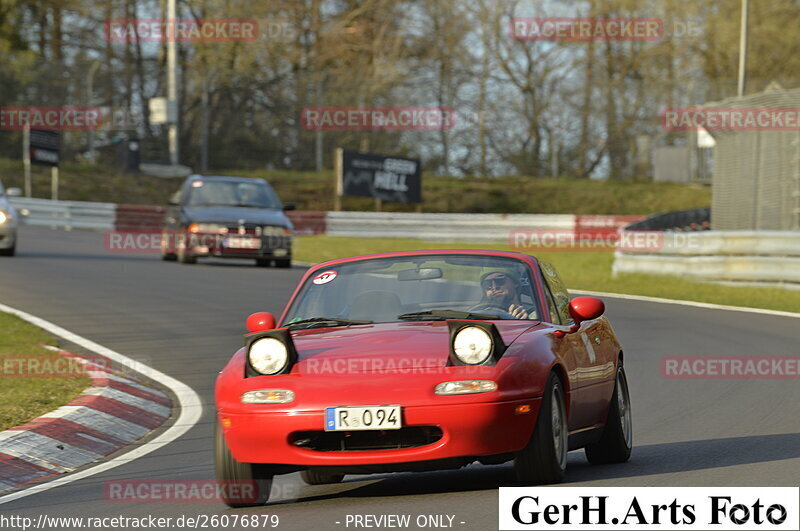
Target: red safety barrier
{"points": [[600, 226], [307, 222], [139, 218]]}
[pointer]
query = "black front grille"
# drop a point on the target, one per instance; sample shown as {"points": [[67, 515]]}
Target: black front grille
{"points": [[337, 441]]}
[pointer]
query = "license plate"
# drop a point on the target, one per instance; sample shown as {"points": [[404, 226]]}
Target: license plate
{"points": [[242, 242], [362, 418]]}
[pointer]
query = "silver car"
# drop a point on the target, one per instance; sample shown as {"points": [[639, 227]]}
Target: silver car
{"points": [[8, 221]]}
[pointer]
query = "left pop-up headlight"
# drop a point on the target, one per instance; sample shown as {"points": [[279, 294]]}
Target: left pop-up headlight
{"points": [[268, 355], [472, 345]]}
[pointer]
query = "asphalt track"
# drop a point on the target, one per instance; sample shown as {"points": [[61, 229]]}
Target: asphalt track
{"points": [[186, 321]]}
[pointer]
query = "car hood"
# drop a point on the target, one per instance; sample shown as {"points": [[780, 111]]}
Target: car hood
{"points": [[383, 347], [232, 215]]}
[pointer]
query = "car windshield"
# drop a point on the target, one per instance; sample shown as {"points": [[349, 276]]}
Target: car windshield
{"points": [[250, 193], [417, 288]]}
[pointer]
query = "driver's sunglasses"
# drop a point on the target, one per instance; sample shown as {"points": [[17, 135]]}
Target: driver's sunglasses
{"points": [[497, 281]]}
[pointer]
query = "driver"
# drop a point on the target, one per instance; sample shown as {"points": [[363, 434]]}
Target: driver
{"points": [[501, 289]]}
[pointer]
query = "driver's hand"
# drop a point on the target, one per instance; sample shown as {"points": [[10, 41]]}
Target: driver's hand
{"points": [[517, 311]]}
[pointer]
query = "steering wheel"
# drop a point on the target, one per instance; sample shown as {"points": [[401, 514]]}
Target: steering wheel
{"points": [[492, 308]]}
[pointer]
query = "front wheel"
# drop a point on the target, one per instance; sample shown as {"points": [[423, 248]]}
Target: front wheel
{"points": [[544, 459], [185, 257], [616, 443], [10, 251], [241, 484]]}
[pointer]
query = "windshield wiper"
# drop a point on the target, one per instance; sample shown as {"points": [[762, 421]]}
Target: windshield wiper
{"points": [[326, 321], [439, 315]]}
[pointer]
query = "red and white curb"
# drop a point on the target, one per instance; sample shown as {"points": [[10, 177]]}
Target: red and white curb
{"points": [[114, 412], [188, 409]]}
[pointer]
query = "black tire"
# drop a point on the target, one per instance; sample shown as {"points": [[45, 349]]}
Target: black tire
{"points": [[544, 459], [315, 477], [11, 251], [185, 257], [165, 255], [283, 263], [263, 262], [617, 441], [230, 470]]}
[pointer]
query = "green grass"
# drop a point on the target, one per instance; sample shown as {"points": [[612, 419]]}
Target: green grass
{"points": [[25, 398], [580, 270], [315, 191]]}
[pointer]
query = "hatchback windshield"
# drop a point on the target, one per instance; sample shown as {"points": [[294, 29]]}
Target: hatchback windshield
{"points": [[250, 193], [411, 288]]}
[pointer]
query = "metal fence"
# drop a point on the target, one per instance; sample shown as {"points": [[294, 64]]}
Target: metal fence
{"points": [[435, 227], [442, 227], [66, 214], [756, 176]]}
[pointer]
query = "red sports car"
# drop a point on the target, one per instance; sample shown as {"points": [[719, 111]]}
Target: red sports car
{"points": [[419, 361]]}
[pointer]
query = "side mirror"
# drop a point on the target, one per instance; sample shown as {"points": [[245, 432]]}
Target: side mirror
{"points": [[260, 322], [14, 192], [289, 206], [586, 308]]}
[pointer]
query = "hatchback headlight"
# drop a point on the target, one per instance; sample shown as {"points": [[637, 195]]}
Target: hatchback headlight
{"points": [[4, 216], [268, 355], [472, 345], [208, 228]]}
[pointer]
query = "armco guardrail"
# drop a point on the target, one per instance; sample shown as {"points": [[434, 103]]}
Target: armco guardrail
{"points": [[437, 227], [757, 257], [66, 214], [465, 227]]}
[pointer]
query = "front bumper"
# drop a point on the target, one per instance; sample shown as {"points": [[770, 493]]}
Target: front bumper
{"points": [[8, 235], [467, 430], [274, 247]]}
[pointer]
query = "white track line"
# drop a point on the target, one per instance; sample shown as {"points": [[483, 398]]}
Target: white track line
{"points": [[687, 303], [188, 401]]}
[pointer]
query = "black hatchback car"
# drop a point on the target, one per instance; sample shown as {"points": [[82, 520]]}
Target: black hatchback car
{"points": [[227, 217]]}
